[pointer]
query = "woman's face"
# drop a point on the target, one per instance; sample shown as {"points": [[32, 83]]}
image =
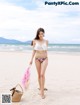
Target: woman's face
{"points": [[41, 35]]}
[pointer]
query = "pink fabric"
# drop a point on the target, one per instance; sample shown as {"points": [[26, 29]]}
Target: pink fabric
{"points": [[26, 77]]}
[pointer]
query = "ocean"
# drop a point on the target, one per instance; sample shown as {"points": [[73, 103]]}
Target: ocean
{"points": [[51, 47]]}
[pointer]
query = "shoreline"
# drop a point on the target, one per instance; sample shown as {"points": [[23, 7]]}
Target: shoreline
{"points": [[49, 52]]}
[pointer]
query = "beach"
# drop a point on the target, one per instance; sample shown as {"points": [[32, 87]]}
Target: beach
{"points": [[62, 78]]}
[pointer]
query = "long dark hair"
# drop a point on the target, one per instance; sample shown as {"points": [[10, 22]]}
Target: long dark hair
{"points": [[37, 34]]}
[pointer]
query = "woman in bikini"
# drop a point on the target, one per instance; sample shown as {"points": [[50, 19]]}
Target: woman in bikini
{"points": [[41, 59]]}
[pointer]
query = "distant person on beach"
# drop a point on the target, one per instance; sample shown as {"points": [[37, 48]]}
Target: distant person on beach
{"points": [[40, 46]]}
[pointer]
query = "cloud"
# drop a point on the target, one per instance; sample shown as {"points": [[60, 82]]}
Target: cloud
{"points": [[61, 23]]}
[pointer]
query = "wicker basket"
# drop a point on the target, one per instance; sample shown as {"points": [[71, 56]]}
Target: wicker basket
{"points": [[16, 94]]}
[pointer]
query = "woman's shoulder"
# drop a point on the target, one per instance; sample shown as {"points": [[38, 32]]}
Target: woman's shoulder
{"points": [[46, 40], [34, 41]]}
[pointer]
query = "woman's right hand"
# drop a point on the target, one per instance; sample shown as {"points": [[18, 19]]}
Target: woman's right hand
{"points": [[31, 62]]}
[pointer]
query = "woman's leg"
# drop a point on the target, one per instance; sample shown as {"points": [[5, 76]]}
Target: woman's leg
{"points": [[43, 69], [38, 67]]}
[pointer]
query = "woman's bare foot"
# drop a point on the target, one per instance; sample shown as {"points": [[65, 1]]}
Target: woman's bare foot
{"points": [[42, 95]]}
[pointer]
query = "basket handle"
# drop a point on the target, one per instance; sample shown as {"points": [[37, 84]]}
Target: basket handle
{"points": [[20, 87]]}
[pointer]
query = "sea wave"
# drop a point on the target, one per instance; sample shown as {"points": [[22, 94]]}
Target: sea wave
{"points": [[52, 47]]}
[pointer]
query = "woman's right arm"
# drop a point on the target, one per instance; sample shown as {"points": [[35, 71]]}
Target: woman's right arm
{"points": [[33, 52]]}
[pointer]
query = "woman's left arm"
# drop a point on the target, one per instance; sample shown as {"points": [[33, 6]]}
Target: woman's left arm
{"points": [[47, 46], [47, 42]]}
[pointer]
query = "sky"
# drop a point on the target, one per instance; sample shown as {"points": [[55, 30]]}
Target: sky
{"points": [[20, 19]]}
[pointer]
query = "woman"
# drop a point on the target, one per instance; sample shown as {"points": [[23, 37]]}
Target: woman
{"points": [[41, 59]]}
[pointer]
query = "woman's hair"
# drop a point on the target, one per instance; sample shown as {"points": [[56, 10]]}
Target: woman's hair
{"points": [[37, 34]]}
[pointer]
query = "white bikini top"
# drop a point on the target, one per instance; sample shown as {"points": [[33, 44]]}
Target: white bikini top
{"points": [[40, 46]]}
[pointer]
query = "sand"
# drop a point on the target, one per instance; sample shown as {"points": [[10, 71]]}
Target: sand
{"points": [[62, 78]]}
